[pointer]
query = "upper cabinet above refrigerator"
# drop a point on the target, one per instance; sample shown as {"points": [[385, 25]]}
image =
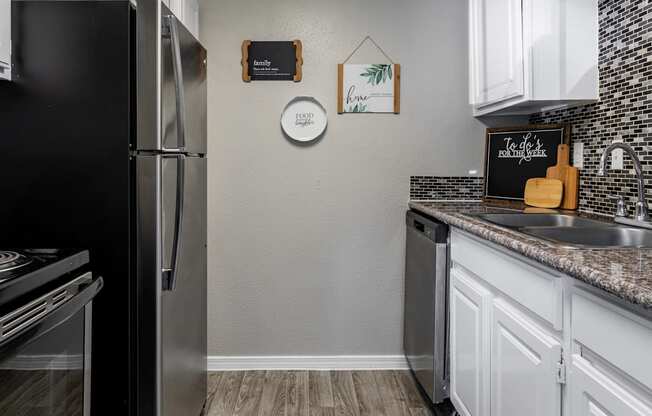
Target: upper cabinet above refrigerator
{"points": [[5, 39], [187, 11], [528, 56]]}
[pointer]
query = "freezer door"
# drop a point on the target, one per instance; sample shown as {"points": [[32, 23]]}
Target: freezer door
{"points": [[183, 288], [183, 88], [171, 324]]}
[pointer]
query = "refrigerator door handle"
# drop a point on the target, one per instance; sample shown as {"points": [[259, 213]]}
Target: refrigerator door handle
{"points": [[177, 68], [170, 273]]}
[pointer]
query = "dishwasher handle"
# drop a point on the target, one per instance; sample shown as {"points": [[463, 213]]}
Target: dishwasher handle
{"points": [[431, 229]]}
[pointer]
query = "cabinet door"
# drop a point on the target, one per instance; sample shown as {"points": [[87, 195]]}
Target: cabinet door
{"points": [[592, 393], [497, 65], [191, 15], [524, 361], [470, 305], [177, 7], [5, 39]]}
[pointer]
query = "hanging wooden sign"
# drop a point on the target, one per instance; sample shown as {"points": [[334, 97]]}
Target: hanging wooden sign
{"points": [[368, 88], [272, 61]]}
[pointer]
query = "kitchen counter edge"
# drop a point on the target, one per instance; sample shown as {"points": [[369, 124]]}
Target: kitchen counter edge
{"points": [[624, 273]]}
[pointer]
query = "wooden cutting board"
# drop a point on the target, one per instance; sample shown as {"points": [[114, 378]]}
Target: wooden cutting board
{"points": [[544, 192], [569, 175]]}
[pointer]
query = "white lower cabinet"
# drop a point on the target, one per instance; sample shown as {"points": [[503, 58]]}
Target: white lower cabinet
{"points": [[506, 341], [502, 363], [504, 358], [469, 341], [592, 393], [524, 362]]}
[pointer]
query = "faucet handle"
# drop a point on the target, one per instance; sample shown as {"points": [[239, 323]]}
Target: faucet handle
{"points": [[621, 209]]}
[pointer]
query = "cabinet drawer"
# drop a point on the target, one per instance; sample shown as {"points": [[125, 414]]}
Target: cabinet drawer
{"points": [[534, 288], [621, 338]]}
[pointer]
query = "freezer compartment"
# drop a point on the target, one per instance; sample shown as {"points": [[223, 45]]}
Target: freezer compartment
{"points": [[182, 90]]}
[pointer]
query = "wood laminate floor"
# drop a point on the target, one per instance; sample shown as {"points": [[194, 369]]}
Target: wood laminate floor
{"points": [[314, 393]]}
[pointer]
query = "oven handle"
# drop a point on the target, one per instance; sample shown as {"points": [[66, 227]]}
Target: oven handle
{"points": [[55, 318]]}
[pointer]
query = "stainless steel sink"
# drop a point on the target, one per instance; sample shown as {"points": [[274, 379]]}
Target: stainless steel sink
{"points": [[519, 220], [573, 231], [594, 237]]}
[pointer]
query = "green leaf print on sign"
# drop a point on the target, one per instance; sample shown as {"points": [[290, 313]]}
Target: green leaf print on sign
{"points": [[378, 73], [358, 108]]}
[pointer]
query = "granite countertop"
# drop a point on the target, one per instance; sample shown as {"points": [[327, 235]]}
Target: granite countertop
{"points": [[625, 273]]}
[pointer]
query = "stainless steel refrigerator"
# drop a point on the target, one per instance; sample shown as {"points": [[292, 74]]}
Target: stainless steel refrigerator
{"points": [[104, 137]]}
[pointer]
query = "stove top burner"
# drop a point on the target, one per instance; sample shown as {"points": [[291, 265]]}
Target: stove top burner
{"points": [[8, 257], [10, 260], [24, 270]]}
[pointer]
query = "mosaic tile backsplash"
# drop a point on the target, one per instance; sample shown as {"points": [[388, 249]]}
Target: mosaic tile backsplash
{"points": [[440, 188], [625, 107]]}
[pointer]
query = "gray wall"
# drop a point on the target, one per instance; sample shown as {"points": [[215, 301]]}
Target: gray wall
{"points": [[306, 243]]}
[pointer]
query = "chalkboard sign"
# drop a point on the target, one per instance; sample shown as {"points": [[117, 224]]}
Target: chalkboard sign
{"points": [[271, 61], [515, 154]]}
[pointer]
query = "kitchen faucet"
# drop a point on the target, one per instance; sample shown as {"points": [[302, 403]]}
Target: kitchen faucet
{"points": [[642, 215]]}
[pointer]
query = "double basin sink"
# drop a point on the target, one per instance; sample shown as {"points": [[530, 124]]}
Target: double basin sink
{"points": [[572, 231]]}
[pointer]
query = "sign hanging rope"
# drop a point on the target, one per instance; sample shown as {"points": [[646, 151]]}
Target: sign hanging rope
{"points": [[368, 38]]}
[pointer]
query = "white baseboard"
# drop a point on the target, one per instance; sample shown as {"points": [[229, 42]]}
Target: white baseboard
{"points": [[307, 362]]}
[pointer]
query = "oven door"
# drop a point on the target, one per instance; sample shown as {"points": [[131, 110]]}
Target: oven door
{"points": [[45, 361]]}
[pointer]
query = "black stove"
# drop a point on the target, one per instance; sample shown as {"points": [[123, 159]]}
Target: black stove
{"points": [[12, 260], [25, 270], [46, 320]]}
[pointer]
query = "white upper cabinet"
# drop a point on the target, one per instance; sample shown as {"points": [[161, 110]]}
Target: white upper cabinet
{"points": [[5, 39], [532, 55], [191, 16], [187, 11], [498, 50], [177, 7]]}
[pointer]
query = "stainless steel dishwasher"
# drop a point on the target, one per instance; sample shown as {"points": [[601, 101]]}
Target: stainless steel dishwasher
{"points": [[425, 304]]}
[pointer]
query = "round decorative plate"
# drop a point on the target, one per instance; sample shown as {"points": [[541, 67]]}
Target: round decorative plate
{"points": [[304, 119]]}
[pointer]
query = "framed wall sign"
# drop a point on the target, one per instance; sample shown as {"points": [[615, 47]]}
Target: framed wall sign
{"points": [[272, 61], [515, 154], [368, 88], [304, 119]]}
